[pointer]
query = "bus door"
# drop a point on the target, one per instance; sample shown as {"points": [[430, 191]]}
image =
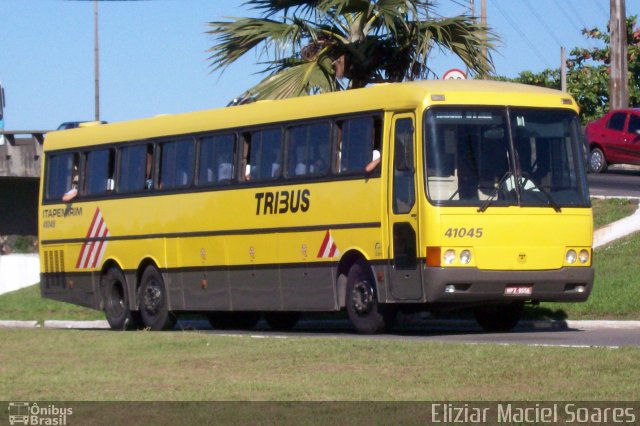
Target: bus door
{"points": [[404, 273]]}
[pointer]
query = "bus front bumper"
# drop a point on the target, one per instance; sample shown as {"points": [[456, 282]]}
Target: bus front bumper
{"points": [[454, 285]]}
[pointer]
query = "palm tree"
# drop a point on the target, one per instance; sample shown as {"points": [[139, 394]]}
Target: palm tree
{"points": [[327, 45]]}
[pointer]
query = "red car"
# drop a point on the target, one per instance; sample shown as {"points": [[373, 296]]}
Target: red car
{"points": [[614, 139]]}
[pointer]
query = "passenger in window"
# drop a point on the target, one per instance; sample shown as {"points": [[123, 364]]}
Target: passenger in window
{"points": [[73, 191], [375, 160], [275, 169], [275, 164], [148, 182], [301, 161], [225, 169], [319, 167]]}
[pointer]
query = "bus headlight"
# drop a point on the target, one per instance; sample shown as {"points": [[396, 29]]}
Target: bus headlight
{"points": [[449, 257], [583, 257], [465, 257], [571, 256]]}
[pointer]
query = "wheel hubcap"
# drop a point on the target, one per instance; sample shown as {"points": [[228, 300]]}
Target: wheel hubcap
{"points": [[596, 160], [152, 298], [362, 298], [116, 300]]}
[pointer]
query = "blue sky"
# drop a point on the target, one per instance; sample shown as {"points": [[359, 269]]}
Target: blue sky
{"points": [[153, 56]]}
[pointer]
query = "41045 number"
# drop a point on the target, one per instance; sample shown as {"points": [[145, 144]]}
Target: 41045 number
{"points": [[464, 232]]}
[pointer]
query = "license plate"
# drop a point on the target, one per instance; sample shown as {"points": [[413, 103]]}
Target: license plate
{"points": [[518, 290]]}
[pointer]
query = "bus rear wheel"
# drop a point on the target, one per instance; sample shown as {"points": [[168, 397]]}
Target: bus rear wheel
{"points": [[153, 301], [233, 320], [365, 313], [116, 301], [282, 321], [499, 317]]}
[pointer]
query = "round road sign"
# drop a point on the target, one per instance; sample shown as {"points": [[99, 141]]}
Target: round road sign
{"points": [[454, 74]]}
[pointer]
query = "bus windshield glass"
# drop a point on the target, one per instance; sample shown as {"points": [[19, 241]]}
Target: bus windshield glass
{"points": [[480, 156]]}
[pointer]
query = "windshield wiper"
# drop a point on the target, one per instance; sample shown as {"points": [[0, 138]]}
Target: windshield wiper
{"points": [[493, 194], [547, 195], [552, 202]]}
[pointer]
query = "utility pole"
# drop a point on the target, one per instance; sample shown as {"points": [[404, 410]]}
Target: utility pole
{"points": [[563, 68], [618, 80], [96, 60], [472, 12], [483, 21]]}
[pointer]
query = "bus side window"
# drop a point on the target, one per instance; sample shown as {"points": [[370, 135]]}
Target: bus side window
{"points": [[135, 167], [263, 155], [308, 150], [176, 164], [358, 140], [216, 159], [62, 175], [99, 171]]}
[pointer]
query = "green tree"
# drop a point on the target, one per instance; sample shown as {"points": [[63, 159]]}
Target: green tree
{"points": [[588, 73], [328, 45]]}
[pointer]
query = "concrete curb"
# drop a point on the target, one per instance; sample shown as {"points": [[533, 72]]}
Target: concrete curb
{"points": [[466, 324], [18, 324], [617, 229], [600, 324], [98, 324]]}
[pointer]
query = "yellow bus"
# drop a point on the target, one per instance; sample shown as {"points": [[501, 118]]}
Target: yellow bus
{"points": [[433, 195]]}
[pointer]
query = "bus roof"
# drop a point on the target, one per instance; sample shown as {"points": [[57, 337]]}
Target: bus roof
{"points": [[382, 97]]}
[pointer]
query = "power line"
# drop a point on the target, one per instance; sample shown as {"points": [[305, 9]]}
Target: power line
{"points": [[569, 16], [579, 26], [576, 10], [604, 11], [520, 33], [544, 24]]}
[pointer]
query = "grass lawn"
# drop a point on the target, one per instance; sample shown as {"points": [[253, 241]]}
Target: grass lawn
{"points": [[616, 289], [26, 304], [609, 210], [37, 364]]}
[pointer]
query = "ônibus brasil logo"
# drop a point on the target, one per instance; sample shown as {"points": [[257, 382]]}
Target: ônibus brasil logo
{"points": [[25, 413]]}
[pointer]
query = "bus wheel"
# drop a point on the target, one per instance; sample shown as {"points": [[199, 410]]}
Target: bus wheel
{"points": [[233, 320], [499, 317], [116, 301], [362, 305], [153, 301], [282, 321]]}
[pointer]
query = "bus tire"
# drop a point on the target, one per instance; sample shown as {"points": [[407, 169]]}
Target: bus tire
{"points": [[233, 320], [364, 311], [502, 317], [282, 321], [116, 301], [153, 301]]}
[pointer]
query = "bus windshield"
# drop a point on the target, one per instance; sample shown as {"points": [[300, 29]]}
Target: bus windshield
{"points": [[491, 156]]}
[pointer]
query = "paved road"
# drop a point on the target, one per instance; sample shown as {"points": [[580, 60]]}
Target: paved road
{"points": [[612, 334], [615, 183], [460, 332]]}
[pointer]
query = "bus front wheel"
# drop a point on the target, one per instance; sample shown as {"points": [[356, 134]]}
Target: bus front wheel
{"points": [[366, 315], [153, 301], [499, 317], [116, 301]]}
